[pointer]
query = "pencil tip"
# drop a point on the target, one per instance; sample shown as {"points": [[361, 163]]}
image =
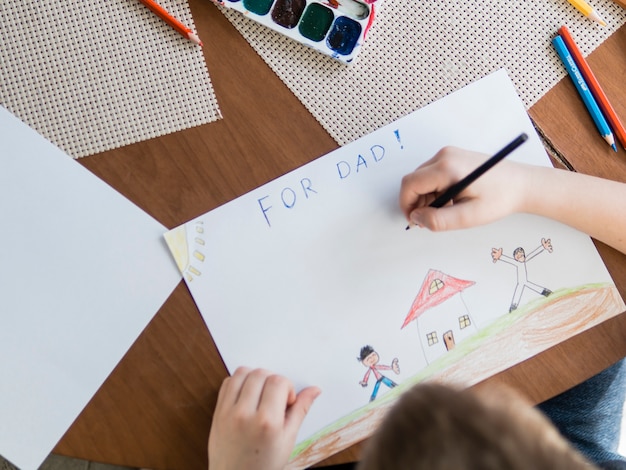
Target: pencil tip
{"points": [[593, 15], [408, 227], [610, 140], [194, 38]]}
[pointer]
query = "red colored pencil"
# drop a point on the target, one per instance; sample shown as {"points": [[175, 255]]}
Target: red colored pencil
{"points": [[594, 86], [173, 22]]}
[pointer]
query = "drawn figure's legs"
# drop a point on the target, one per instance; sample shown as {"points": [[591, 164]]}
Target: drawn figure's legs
{"points": [[517, 295], [388, 382], [375, 391], [538, 289], [519, 290]]}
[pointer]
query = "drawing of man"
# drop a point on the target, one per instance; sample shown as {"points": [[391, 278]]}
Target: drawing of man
{"points": [[519, 260], [369, 358]]}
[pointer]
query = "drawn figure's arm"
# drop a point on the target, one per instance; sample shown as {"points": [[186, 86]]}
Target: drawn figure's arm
{"points": [[534, 253], [546, 245], [363, 382], [497, 255], [395, 365]]}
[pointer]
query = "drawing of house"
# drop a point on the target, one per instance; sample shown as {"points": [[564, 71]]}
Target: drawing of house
{"points": [[441, 316]]}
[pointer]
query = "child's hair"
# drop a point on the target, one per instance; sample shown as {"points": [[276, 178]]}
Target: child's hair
{"points": [[365, 351], [438, 427]]}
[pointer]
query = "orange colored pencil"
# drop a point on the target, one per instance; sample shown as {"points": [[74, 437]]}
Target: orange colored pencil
{"points": [[173, 22], [594, 86]]}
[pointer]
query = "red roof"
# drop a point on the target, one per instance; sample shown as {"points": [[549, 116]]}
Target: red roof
{"points": [[443, 287]]}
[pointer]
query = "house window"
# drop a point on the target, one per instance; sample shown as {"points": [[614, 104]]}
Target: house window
{"points": [[432, 338], [435, 285], [464, 321]]}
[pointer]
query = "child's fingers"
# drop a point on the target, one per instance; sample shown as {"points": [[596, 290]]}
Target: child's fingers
{"points": [[230, 389], [455, 216], [418, 189], [278, 393], [298, 411], [251, 390]]}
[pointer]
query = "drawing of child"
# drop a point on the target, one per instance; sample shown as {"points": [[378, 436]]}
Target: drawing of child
{"points": [[369, 358], [519, 261]]}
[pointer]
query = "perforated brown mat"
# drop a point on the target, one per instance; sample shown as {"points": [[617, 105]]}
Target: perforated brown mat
{"points": [[92, 76]]}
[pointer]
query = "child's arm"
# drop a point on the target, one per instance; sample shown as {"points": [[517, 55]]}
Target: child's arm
{"points": [[589, 204], [256, 421]]}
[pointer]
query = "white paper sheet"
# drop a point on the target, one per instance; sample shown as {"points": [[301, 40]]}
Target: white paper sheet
{"points": [[82, 272], [298, 275]]}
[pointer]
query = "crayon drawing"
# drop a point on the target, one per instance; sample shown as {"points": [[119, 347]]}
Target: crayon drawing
{"points": [[298, 272], [532, 326], [371, 360], [519, 262], [444, 316], [189, 262]]}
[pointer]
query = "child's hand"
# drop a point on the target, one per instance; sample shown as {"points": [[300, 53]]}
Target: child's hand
{"points": [[256, 420], [493, 195]]}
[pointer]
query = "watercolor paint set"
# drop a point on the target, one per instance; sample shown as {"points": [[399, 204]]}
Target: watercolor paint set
{"points": [[333, 27]]}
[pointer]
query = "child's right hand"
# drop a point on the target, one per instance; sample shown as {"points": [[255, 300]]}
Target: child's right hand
{"points": [[256, 421], [497, 193]]}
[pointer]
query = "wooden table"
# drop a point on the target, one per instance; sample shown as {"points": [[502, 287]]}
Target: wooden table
{"points": [[155, 409]]}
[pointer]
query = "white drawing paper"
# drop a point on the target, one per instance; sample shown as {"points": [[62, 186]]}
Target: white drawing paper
{"points": [[82, 272], [314, 276]]}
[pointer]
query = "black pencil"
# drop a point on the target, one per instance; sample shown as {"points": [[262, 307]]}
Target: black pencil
{"points": [[459, 186]]}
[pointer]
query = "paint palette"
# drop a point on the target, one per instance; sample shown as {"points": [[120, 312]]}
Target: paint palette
{"points": [[334, 27]]}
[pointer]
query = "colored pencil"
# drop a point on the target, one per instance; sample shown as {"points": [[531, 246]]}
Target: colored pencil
{"points": [[594, 86], [587, 10], [459, 186], [454, 190], [583, 91], [173, 22]]}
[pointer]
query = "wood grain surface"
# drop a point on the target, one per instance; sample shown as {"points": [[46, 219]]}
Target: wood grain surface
{"points": [[155, 409]]}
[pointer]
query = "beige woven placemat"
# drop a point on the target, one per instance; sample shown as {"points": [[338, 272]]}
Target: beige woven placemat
{"points": [[96, 75], [420, 51]]}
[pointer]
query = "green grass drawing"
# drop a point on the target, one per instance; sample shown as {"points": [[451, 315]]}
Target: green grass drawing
{"points": [[461, 350]]}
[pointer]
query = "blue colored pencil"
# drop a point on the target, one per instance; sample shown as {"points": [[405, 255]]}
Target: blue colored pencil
{"points": [[583, 91]]}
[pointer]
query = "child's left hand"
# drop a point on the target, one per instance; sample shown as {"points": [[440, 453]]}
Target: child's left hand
{"points": [[256, 421]]}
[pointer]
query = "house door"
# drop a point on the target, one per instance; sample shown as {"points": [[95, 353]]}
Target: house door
{"points": [[448, 340]]}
